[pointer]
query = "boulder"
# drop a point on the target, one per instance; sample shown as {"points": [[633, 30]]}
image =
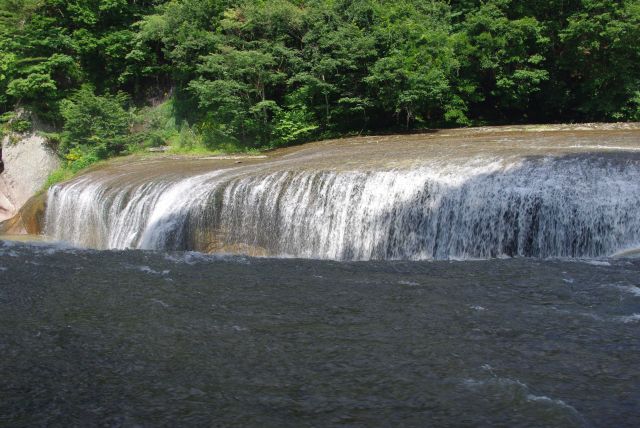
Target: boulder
{"points": [[28, 161], [29, 220]]}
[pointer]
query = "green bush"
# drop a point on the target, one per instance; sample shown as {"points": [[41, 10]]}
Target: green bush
{"points": [[155, 126], [187, 139], [80, 158], [20, 125], [57, 176], [96, 126], [293, 126]]}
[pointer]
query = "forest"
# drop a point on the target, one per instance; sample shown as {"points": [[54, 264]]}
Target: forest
{"points": [[112, 77]]}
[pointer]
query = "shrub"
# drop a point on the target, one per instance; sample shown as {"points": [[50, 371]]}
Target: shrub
{"points": [[97, 126], [20, 125]]}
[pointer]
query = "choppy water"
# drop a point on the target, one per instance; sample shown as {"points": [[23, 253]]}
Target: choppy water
{"points": [[465, 195], [133, 338]]}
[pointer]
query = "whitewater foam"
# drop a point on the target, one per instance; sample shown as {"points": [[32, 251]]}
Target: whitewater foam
{"points": [[633, 318], [417, 207]]}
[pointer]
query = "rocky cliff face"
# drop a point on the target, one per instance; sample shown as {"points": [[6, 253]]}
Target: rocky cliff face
{"points": [[28, 161]]}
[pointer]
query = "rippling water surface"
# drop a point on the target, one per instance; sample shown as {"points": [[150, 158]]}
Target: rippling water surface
{"points": [[139, 338]]}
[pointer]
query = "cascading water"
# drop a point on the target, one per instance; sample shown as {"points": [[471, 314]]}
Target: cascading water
{"points": [[477, 197]]}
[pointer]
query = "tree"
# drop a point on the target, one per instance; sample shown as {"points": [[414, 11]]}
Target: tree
{"points": [[599, 61], [504, 58], [94, 126]]}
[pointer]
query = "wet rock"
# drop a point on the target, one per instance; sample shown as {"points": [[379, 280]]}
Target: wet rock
{"points": [[29, 220], [160, 149]]}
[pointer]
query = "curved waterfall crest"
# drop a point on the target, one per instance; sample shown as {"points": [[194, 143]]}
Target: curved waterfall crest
{"points": [[479, 206]]}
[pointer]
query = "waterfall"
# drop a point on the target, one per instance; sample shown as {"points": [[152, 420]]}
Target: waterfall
{"points": [[479, 206]]}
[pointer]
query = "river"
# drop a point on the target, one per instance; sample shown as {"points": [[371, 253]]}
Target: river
{"points": [[471, 278], [139, 338]]}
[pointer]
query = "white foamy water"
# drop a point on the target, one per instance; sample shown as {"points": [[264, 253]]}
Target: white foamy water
{"points": [[630, 289], [420, 204], [598, 262], [633, 318], [516, 390]]}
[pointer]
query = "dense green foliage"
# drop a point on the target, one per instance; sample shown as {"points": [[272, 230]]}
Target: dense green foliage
{"points": [[264, 73], [94, 126]]}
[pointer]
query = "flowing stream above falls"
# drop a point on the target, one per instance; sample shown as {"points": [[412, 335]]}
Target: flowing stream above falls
{"points": [[451, 194]]}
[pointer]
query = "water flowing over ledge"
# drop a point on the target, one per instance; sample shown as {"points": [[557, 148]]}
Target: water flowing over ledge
{"points": [[456, 194]]}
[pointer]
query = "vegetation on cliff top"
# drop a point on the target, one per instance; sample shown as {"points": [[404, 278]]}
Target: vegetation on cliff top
{"points": [[115, 76]]}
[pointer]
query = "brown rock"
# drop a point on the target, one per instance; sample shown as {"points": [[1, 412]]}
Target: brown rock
{"points": [[29, 220]]}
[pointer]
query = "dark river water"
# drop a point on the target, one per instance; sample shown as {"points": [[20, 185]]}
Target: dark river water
{"points": [[134, 338]]}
